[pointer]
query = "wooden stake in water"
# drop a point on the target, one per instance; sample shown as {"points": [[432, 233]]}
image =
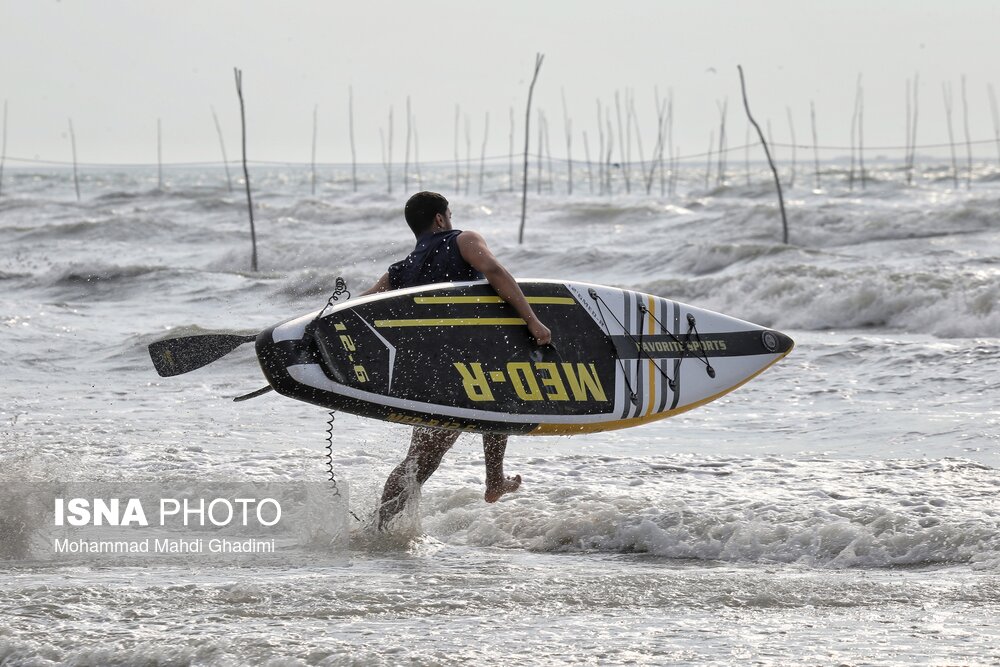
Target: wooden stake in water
{"points": [[350, 124], [482, 155], [539, 58], [600, 146], [656, 159], [854, 135], [670, 144], [770, 139], [746, 153], [722, 107], [708, 165], [541, 142], [675, 164], [968, 139], [948, 99], [913, 137], [458, 167], [910, 133], [622, 147], [568, 124], [159, 155], [548, 155], [246, 172], [611, 148], [468, 154], [406, 153], [416, 155], [861, 135], [633, 118], [989, 87], [812, 117], [315, 128], [3, 150], [222, 145], [627, 167], [76, 176], [387, 152], [510, 153], [791, 131], [774, 170]]}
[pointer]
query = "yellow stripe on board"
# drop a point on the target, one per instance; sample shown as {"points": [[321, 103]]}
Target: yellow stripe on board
{"points": [[452, 322], [543, 300]]}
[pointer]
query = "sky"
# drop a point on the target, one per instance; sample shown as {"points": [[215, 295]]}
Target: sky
{"points": [[117, 67]]}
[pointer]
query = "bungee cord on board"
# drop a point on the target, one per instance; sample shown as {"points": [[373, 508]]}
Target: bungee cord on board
{"points": [[685, 345], [632, 395]]}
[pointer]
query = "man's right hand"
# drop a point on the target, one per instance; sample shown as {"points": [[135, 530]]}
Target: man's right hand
{"points": [[540, 332]]}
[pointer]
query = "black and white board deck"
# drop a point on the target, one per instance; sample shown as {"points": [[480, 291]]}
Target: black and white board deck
{"points": [[455, 356]]}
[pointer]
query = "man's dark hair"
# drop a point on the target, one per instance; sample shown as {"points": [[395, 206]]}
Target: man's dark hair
{"points": [[421, 209]]}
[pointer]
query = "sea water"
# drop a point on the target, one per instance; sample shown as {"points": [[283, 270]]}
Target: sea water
{"points": [[839, 509]]}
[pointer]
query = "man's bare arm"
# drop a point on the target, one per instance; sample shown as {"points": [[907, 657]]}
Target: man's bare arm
{"points": [[382, 285], [474, 250]]}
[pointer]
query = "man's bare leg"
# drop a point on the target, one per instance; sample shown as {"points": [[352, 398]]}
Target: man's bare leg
{"points": [[494, 448], [427, 448]]}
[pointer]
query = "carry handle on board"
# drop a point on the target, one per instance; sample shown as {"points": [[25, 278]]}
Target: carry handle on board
{"points": [[176, 356]]}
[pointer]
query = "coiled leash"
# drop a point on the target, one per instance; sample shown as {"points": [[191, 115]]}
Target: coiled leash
{"points": [[340, 288]]}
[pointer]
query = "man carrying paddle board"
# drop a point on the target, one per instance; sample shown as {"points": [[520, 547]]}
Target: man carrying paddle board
{"points": [[443, 254]]}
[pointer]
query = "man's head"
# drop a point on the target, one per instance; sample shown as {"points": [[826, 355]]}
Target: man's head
{"points": [[422, 211]]}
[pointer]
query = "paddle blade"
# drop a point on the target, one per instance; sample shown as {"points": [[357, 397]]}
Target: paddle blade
{"points": [[175, 356]]}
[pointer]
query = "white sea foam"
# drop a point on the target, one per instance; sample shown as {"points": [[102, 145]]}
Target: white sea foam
{"points": [[785, 512]]}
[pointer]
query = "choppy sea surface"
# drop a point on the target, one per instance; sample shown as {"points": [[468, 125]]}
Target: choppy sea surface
{"points": [[842, 508]]}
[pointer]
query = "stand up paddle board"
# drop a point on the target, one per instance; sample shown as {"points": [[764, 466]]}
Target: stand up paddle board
{"points": [[456, 356]]}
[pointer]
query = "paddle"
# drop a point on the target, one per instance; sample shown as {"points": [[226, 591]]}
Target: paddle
{"points": [[253, 394], [175, 356]]}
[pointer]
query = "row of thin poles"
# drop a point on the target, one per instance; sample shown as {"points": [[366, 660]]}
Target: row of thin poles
{"points": [[617, 135]]}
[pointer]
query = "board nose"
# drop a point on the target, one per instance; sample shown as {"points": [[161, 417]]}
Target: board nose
{"points": [[776, 342]]}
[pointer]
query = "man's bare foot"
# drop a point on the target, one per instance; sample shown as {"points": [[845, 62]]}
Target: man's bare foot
{"points": [[508, 485]]}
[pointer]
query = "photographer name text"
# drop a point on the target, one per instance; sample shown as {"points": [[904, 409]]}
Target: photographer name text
{"points": [[164, 546]]}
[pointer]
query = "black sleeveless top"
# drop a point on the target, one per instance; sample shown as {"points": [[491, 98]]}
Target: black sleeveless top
{"points": [[436, 259]]}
